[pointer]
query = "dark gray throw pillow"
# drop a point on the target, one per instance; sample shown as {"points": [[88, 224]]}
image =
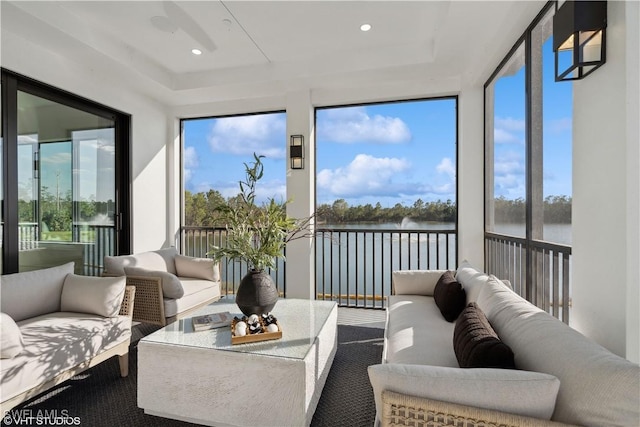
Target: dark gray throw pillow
{"points": [[449, 296], [476, 344]]}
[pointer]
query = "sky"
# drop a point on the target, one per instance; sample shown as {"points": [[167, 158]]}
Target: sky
{"points": [[389, 153], [509, 132]]}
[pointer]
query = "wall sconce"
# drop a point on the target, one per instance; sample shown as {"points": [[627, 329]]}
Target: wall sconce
{"points": [[296, 151], [579, 38]]}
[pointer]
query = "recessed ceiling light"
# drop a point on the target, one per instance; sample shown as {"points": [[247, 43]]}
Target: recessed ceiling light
{"points": [[365, 27], [196, 51]]}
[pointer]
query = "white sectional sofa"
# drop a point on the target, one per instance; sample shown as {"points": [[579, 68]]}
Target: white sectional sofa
{"points": [[55, 324], [169, 286], [561, 377]]}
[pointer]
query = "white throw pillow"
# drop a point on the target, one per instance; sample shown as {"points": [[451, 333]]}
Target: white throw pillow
{"points": [[471, 280], [415, 282], [198, 268], [526, 393], [33, 293], [10, 337], [171, 286], [93, 295]]}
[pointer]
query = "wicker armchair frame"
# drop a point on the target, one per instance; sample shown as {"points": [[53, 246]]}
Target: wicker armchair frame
{"points": [[405, 410]]}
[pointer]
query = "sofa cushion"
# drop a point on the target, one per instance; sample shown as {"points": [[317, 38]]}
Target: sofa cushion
{"points": [[160, 260], [530, 394], [196, 291], [415, 282], [10, 337], [476, 344], [197, 268], [416, 332], [56, 342], [449, 296], [471, 280], [33, 293], [171, 286], [93, 295], [597, 387]]}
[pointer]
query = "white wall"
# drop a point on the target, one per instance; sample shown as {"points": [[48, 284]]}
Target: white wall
{"points": [[149, 126], [606, 189]]}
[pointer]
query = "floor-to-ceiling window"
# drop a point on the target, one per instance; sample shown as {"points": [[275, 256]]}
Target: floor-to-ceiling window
{"points": [[64, 185], [386, 195], [528, 140], [214, 153]]}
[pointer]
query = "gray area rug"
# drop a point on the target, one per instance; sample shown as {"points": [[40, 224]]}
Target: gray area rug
{"points": [[100, 397]]}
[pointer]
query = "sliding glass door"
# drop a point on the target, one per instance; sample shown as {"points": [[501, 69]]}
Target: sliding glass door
{"points": [[64, 191]]}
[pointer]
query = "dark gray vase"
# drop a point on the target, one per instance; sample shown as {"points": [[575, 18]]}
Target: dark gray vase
{"points": [[257, 294]]}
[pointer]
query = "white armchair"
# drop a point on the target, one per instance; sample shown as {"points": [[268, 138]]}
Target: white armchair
{"points": [[169, 286]]}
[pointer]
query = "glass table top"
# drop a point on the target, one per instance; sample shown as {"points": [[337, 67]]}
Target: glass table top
{"points": [[300, 320]]}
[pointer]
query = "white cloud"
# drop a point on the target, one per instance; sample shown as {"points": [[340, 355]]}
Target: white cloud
{"points": [[447, 167], [561, 125], [364, 175], [243, 135], [509, 175], [351, 125], [190, 159], [508, 130], [510, 124]]}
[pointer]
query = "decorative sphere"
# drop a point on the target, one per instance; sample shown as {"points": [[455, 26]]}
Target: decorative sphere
{"points": [[272, 327], [254, 318], [241, 329]]}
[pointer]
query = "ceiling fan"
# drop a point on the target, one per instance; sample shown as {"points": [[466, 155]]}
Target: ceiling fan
{"points": [[176, 18]]}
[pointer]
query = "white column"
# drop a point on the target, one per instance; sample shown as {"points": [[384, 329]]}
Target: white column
{"points": [[300, 273], [471, 176], [605, 193]]}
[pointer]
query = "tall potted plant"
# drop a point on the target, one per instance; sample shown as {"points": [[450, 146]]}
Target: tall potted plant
{"points": [[256, 234]]}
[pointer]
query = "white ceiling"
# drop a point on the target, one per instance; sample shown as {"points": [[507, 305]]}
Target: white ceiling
{"points": [[257, 48]]}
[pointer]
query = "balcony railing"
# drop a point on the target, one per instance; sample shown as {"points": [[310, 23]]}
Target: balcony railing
{"points": [[353, 266], [93, 243], [197, 241], [544, 266]]}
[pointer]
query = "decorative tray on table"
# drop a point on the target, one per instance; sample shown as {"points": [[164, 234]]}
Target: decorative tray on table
{"points": [[254, 329]]}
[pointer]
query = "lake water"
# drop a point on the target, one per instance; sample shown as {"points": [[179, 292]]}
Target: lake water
{"points": [[358, 259], [353, 261]]}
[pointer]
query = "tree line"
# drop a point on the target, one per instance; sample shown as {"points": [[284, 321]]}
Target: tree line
{"points": [[200, 210], [556, 210]]}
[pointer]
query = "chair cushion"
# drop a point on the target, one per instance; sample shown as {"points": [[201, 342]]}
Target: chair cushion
{"points": [[417, 333], [196, 292], [171, 286], [197, 268], [476, 344], [56, 342], [449, 296], [415, 282], [10, 337], [93, 295], [33, 293]]}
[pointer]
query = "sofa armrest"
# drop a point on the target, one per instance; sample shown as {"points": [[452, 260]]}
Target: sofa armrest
{"points": [[126, 309], [406, 410], [149, 300], [530, 394], [415, 282]]}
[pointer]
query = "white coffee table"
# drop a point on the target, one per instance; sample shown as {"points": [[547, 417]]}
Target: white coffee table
{"points": [[201, 378]]}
